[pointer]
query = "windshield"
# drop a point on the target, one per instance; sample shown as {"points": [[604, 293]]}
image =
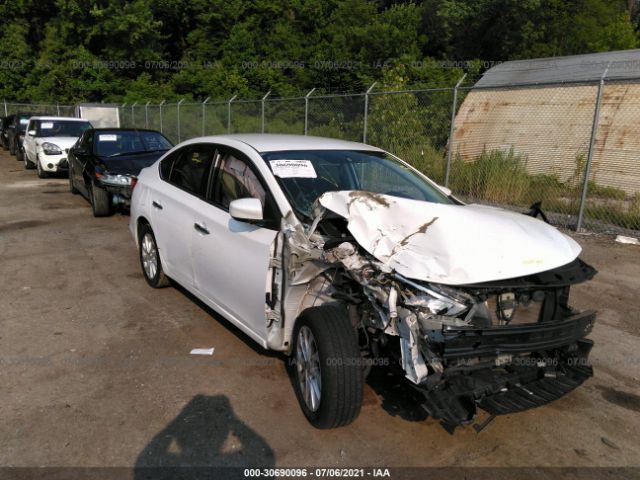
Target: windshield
{"points": [[116, 143], [60, 128], [305, 175]]}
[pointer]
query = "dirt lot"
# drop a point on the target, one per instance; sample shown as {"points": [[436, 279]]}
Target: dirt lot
{"points": [[95, 367]]}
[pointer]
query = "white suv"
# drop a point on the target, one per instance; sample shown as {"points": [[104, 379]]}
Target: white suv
{"points": [[47, 141], [345, 257]]}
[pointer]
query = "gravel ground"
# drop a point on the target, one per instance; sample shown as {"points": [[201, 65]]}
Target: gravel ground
{"points": [[95, 369]]}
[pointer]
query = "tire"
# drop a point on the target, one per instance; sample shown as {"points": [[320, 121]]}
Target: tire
{"points": [[12, 147], [20, 155], [41, 172], [100, 201], [150, 259], [28, 164], [72, 188], [338, 364]]}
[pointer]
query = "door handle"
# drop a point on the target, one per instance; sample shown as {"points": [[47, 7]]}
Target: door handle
{"points": [[156, 205], [200, 228]]}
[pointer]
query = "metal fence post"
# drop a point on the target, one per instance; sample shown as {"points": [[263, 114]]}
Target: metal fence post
{"points": [[6, 112], [229, 113], [160, 106], [133, 116], [452, 128], [178, 112], [204, 114], [57, 109], [306, 110], [123, 111], [366, 112], [146, 114], [592, 141], [262, 104]]}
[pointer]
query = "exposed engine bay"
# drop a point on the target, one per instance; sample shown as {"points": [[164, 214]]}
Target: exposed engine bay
{"points": [[478, 337]]}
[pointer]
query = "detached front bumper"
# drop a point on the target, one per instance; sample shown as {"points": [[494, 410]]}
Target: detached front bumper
{"points": [[509, 368]]}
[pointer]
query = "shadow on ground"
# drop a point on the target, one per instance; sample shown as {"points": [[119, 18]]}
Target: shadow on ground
{"points": [[204, 441], [398, 397]]}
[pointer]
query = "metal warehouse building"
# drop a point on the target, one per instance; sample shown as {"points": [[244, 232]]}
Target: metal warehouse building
{"points": [[545, 110]]}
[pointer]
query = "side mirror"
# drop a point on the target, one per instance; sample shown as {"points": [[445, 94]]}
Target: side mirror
{"points": [[78, 151], [445, 190], [31, 133], [246, 210]]}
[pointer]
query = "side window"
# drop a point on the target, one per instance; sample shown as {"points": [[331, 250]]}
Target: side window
{"points": [[235, 179], [190, 170], [88, 141], [166, 164]]}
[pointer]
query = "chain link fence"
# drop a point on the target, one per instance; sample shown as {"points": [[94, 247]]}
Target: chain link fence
{"points": [[39, 109], [574, 147]]}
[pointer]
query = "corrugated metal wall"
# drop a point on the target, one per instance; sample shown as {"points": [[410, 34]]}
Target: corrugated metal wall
{"points": [[550, 128]]}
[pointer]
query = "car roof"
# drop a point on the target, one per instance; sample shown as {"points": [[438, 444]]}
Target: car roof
{"points": [[118, 129], [73, 119], [271, 142]]}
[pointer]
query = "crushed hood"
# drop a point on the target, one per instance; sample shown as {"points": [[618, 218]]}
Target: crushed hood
{"points": [[450, 244]]}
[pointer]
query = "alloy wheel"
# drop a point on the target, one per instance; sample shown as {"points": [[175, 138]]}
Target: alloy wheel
{"points": [[149, 254], [308, 368]]}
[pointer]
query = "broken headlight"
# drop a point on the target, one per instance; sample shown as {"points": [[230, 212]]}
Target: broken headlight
{"points": [[437, 300]]}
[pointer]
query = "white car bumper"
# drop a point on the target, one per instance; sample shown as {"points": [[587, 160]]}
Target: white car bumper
{"points": [[53, 163]]}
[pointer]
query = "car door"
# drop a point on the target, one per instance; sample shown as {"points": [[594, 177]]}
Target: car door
{"points": [[185, 174], [78, 158], [231, 258], [29, 144]]}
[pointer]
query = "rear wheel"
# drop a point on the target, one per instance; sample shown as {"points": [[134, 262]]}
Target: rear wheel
{"points": [[100, 201], [150, 259], [12, 147], [328, 374]]}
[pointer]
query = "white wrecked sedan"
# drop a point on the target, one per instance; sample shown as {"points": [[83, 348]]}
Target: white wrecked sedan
{"points": [[341, 255]]}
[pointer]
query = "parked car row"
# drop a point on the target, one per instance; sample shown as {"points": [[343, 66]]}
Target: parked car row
{"points": [[101, 163], [343, 257]]}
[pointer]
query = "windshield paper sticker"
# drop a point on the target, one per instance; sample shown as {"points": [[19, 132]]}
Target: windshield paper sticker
{"points": [[293, 169], [107, 138], [46, 125]]}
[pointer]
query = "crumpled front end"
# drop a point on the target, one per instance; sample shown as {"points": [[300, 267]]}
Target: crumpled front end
{"points": [[502, 344]]}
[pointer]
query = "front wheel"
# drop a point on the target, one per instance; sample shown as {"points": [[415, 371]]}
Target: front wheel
{"points": [[41, 172], [72, 187], [150, 259], [328, 373], [100, 201], [28, 164]]}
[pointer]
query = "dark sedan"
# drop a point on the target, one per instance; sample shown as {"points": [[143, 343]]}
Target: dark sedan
{"points": [[4, 127], [105, 161], [14, 133]]}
